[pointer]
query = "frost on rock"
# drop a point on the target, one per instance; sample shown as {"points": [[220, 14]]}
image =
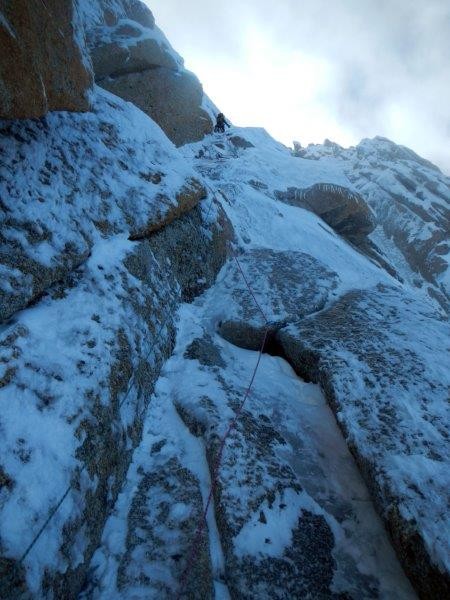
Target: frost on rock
{"points": [[154, 523], [411, 199], [386, 380], [71, 179], [87, 237], [289, 284]]}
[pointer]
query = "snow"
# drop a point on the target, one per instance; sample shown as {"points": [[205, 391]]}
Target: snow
{"points": [[163, 423], [410, 448], [278, 528], [409, 195]]}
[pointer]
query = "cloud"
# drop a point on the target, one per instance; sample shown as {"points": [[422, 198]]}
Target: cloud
{"points": [[310, 69]]}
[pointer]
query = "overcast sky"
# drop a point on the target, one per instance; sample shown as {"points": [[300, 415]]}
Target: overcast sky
{"points": [[315, 69]]}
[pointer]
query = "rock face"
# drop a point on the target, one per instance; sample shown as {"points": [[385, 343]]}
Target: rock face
{"points": [[343, 210], [36, 39], [131, 394], [377, 346], [398, 375], [92, 181], [411, 200], [89, 238], [133, 60]]}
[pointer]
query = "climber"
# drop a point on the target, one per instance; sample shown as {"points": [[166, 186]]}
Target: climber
{"points": [[220, 123]]}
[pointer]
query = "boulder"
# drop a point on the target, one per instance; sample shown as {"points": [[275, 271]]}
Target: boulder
{"points": [[281, 278], [342, 209], [44, 64], [113, 59]]}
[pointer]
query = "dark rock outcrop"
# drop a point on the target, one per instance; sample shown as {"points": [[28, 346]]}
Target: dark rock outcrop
{"points": [[240, 142], [44, 65], [342, 209]]}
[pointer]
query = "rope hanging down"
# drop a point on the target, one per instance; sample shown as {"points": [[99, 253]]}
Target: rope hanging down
{"points": [[193, 551]]}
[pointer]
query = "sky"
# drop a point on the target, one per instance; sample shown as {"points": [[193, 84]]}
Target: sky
{"points": [[308, 70]]}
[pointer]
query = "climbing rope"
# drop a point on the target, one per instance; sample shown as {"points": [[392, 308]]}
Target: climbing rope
{"points": [[196, 543]]}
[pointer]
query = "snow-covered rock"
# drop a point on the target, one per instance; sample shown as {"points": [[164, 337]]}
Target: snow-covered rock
{"points": [[378, 347], [68, 181], [32, 78], [411, 199], [88, 235], [133, 59], [148, 449]]}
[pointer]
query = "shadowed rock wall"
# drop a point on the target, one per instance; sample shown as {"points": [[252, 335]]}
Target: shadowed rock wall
{"points": [[43, 63]]}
